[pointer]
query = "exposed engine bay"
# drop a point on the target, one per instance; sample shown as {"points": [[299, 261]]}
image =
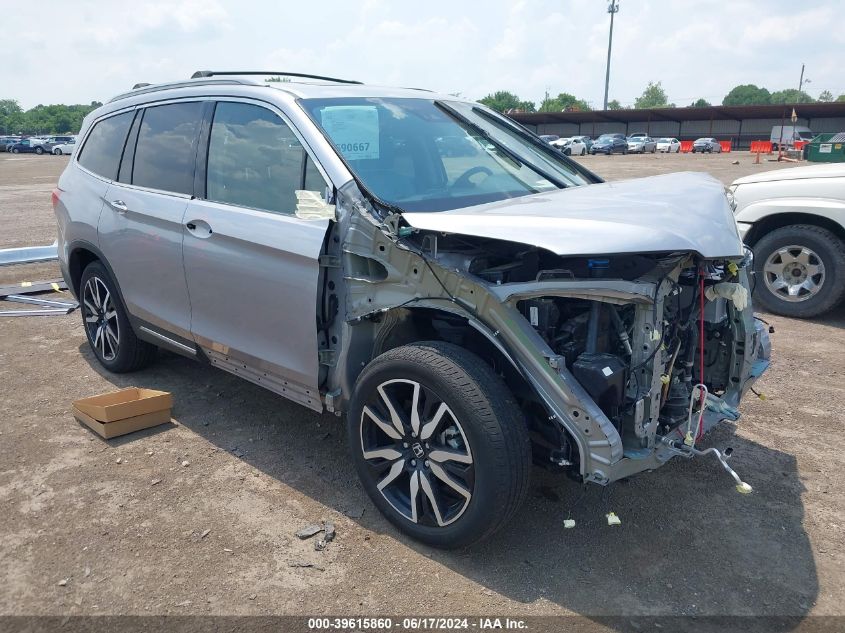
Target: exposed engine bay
{"points": [[638, 357], [603, 352]]}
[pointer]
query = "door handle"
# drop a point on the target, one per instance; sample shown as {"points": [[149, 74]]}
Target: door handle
{"points": [[119, 206], [199, 228]]}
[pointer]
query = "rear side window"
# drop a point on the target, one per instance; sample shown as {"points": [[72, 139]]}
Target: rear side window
{"points": [[164, 155], [102, 149], [254, 159]]}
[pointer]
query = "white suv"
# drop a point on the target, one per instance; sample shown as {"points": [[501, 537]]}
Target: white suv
{"points": [[794, 219]]}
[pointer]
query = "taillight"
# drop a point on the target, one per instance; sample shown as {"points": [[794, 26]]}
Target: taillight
{"points": [[55, 197]]}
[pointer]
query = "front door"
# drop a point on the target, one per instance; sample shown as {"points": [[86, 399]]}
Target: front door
{"points": [[251, 265]]}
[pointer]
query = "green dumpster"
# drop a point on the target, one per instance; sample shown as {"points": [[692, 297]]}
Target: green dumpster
{"points": [[827, 148]]}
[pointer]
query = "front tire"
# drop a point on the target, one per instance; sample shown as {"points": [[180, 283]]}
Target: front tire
{"points": [[799, 270], [440, 443], [106, 323], [16, 151], [39, 150], [57, 152]]}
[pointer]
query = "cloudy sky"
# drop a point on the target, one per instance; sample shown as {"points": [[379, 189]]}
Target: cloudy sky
{"points": [[76, 51]]}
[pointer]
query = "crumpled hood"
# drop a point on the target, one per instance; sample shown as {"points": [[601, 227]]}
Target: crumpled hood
{"points": [[675, 212]]}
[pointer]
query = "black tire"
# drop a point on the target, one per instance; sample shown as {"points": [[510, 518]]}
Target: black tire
{"points": [[39, 150], [829, 249], [584, 151], [129, 353], [487, 420], [15, 150], [57, 152]]}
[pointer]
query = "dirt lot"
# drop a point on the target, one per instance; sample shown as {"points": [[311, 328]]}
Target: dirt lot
{"points": [[96, 527]]}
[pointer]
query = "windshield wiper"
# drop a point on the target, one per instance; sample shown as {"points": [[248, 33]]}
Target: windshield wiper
{"points": [[498, 145]]}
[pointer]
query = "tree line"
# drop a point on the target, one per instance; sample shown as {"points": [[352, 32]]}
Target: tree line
{"points": [[654, 96], [42, 119]]}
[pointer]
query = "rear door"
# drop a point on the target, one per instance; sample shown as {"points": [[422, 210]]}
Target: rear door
{"points": [[140, 227], [251, 264]]}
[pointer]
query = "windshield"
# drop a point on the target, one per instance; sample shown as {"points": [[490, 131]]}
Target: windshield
{"points": [[422, 155]]}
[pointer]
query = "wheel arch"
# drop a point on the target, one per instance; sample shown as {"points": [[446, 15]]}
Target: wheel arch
{"points": [[80, 255], [774, 221], [408, 325]]}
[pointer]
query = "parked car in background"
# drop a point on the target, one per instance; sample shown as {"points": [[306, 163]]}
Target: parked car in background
{"points": [[642, 144], [586, 140], [706, 145], [63, 148], [570, 146], [51, 141], [550, 138], [794, 219], [668, 145], [636, 135], [25, 146], [449, 307], [37, 140], [6, 141], [786, 135], [610, 144]]}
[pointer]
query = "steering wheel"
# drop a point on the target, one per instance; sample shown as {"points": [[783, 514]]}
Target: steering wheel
{"points": [[464, 179]]}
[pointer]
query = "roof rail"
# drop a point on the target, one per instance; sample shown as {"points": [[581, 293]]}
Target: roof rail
{"points": [[186, 83], [140, 85], [214, 73]]}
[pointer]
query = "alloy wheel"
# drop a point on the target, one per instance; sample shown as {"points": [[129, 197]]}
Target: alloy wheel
{"points": [[794, 273], [98, 309], [417, 453]]}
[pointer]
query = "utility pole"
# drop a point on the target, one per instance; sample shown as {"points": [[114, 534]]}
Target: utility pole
{"points": [[802, 82], [612, 9]]}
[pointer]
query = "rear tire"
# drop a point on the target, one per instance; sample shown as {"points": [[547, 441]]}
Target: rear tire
{"points": [[16, 151], [57, 152], [823, 254], [39, 150], [106, 323], [467, 428]]}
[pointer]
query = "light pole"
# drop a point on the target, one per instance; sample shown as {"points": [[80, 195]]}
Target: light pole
{"points": [[801, 82], [612, 9]]}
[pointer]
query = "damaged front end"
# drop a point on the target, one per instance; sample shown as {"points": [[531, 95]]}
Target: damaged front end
{"points": [[606, 353]]}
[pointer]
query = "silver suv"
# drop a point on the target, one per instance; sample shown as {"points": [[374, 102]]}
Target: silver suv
{"points": [[469, 310]]}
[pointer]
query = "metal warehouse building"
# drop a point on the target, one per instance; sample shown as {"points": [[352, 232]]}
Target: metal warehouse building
{"points": [[739, 124]]}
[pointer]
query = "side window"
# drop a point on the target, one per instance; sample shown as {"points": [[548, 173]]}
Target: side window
{"points": [[314, 180], [254, 159], [164, 155], [102, 149]]}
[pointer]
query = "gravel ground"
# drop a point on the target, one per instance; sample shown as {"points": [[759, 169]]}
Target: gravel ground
{"points": [[199, 516]]}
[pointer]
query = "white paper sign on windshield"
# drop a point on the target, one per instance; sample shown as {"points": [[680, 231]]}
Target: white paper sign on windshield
{"points": [[353, 129]]}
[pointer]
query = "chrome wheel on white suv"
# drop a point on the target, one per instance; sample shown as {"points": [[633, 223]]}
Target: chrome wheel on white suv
{"points": [[794, 273], [799, 270], [439, 442]]}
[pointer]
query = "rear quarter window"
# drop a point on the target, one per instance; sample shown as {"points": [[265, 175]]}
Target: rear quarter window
{"points": [[104, 145]]}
